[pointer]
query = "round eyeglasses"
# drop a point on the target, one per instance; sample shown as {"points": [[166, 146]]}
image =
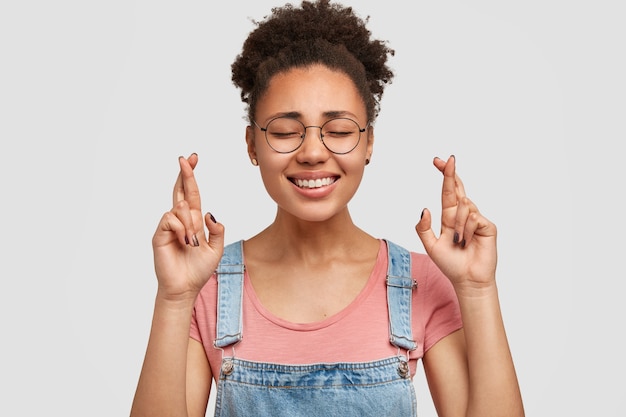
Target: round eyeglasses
{"points": [[286, 134]]}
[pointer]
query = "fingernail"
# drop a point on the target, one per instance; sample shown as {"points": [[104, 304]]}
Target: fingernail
{"points": [[212, 218], [195, 241], [455, 239], [186, 240], [463, 243], [422, 215]]}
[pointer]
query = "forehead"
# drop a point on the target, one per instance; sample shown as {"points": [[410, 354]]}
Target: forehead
{"points": [[311, 90]]}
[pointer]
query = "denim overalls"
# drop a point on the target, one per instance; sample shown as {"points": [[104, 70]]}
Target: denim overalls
{"points": [[378, 388]]}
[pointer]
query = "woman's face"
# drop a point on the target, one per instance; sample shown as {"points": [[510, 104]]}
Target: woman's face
{"points": [[310, 183]]}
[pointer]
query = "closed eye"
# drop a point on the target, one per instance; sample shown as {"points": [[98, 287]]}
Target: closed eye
{"points": [[285, 135], [338, 134]]}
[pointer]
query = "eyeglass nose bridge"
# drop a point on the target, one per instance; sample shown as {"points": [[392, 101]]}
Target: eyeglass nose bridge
{"points": [[321, 137], [303, 136]]}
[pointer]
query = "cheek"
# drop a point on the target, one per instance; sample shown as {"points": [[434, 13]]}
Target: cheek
{"points": [[353, 166], [355, 160], [270, 160], [263, 151], [271, 167]]}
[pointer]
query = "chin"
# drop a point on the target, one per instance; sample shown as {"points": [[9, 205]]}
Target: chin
{"points": [[314, 213]]}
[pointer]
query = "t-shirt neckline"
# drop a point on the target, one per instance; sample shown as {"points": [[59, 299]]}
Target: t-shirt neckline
{"points": [[378, 273]]}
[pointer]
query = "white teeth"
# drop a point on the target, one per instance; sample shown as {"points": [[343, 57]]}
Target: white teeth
{"points": [[320, 182]]}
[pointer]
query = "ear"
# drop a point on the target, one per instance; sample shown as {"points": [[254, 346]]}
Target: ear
{"points": [[370, 143], [250, 142]]}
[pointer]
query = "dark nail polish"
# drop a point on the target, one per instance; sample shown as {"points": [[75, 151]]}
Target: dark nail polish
{"points": [[195, 241], [186, 240], [422, 215], [463, 243], [212, 218], [455, 239]]}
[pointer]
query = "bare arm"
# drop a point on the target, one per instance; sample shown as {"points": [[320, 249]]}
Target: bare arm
{"points": [[162, 383], [199, 379]]}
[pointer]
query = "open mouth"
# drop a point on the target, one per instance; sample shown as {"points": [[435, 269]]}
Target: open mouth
{"points": [[316, 183]]}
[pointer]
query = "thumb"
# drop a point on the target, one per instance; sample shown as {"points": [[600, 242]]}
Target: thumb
{"points": [[425, 232], [216, 233]]}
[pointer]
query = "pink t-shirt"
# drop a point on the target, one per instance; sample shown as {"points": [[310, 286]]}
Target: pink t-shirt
{"points": [[358, 333]]}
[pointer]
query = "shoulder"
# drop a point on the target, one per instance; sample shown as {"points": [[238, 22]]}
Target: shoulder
{"points": [[422, 266], [233, 255], [424, 269], [431, 282], [434, 289]]}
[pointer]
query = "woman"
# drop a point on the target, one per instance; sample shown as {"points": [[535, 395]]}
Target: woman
{"points": [[313, 316]]}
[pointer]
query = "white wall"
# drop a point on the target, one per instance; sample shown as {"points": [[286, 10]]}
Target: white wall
{"points": [[97, 100]]}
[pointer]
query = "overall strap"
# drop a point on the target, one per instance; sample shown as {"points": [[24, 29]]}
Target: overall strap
{"points": [[230, 271], [400, 286]]}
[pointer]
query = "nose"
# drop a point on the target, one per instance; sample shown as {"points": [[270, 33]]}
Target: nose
{"points": [[312, 127], [312, 150]]}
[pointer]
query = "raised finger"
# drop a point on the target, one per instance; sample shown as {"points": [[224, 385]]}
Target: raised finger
{"points": [[440, 164], [179, 191], [186, 187], [460, 188], [449, 189]]}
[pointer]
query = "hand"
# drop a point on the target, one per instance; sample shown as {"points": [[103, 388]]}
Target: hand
{"points": [[184, 258], [466, 248]]}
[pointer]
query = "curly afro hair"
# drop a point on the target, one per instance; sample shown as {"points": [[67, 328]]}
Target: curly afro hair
{"points": [[316, 32]]}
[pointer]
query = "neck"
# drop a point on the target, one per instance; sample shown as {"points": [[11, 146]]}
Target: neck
{"points": [[291, 237]]}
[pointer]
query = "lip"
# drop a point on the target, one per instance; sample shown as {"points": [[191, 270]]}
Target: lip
{"points": [[314, 183]]}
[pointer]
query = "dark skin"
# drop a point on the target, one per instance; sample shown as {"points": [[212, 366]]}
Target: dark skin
{"points": [[470, 372]]}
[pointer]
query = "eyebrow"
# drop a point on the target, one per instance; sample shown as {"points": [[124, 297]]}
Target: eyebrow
{"points": [[327, 114]]}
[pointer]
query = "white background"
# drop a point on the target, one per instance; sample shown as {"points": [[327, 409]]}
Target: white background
{"points": [[99, 98]]}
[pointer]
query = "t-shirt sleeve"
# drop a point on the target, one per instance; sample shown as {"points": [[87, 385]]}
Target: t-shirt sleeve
{"points": [[435, 302], [194, 332], [203, 314]]}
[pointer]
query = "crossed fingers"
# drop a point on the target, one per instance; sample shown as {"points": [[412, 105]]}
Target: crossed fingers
{"points": [[186, 199], [459, 214]]}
